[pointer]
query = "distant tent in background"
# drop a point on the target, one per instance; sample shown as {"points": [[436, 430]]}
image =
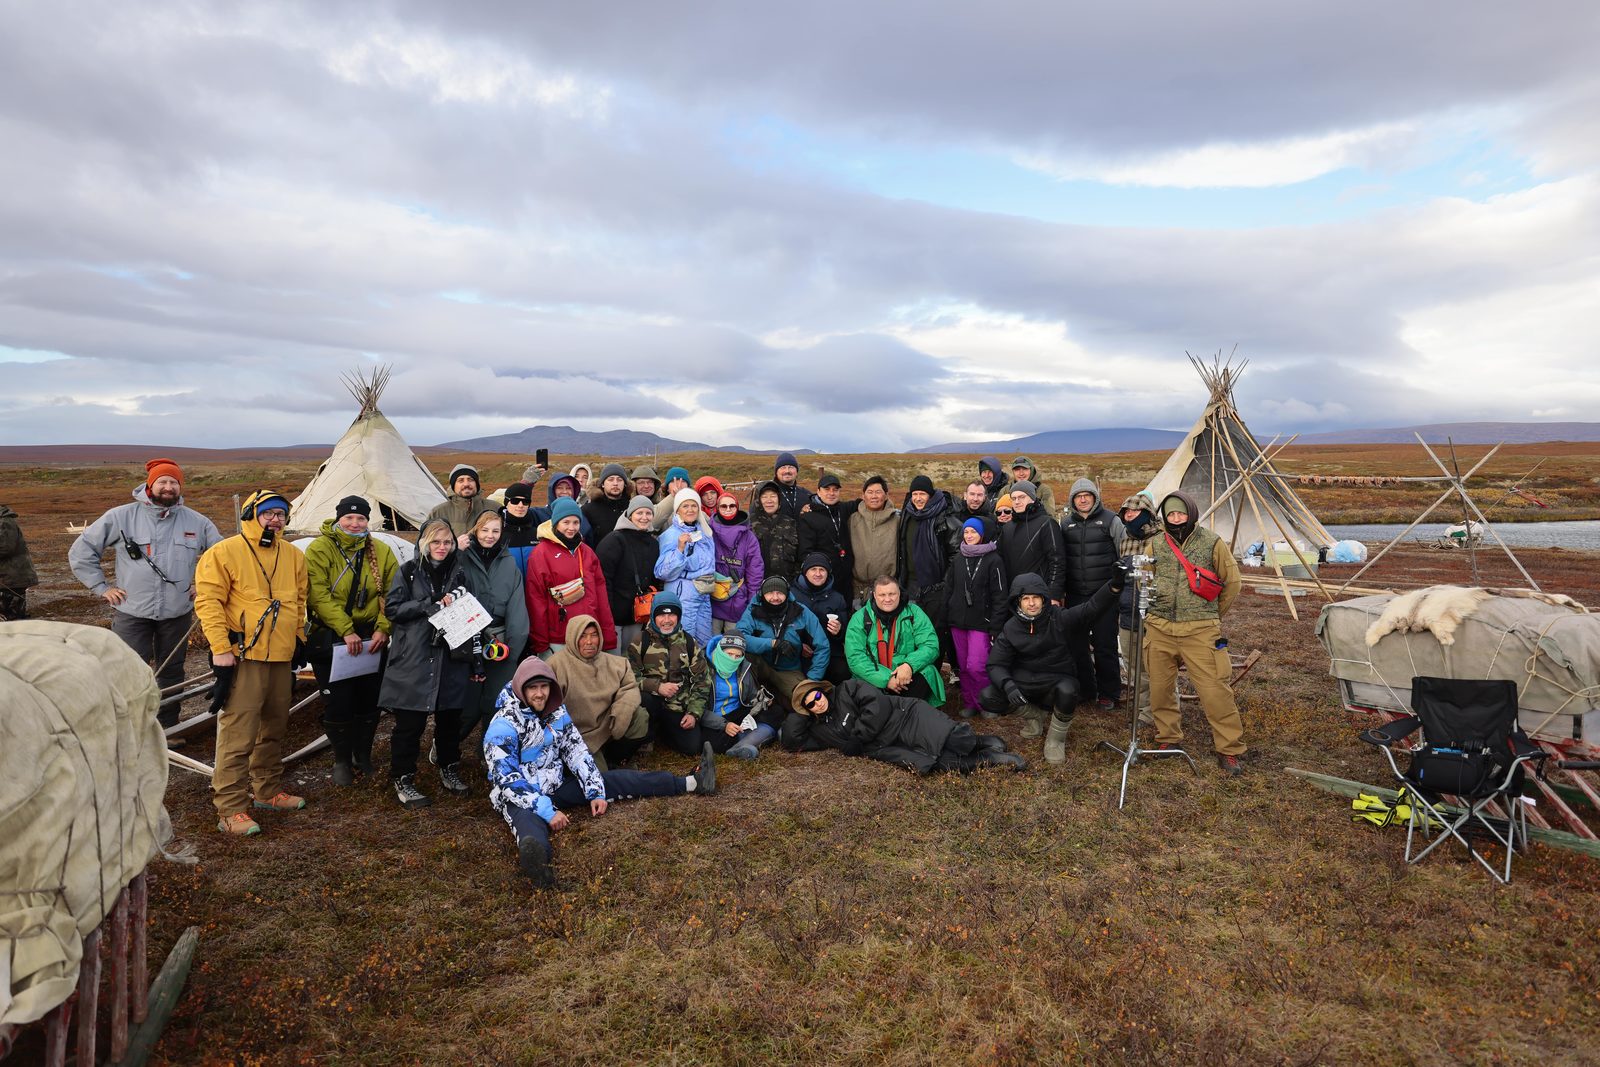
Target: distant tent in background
{"points": [[1229, 475], [371, 460]]}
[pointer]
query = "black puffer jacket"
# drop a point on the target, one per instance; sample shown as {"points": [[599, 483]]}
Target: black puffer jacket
{"points": [[822, 601], [1031, 544], [863, 720], [1034, 653], [603, 512], [827, 530], [1089, 544], [628, 560]]}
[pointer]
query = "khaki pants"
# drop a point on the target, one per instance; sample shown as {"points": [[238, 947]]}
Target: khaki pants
{"points": [[1125, 647], [1210, 671], [250, 733]]}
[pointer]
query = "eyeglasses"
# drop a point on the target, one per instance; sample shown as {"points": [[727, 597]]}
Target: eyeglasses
{"points": [[1004, 511]]}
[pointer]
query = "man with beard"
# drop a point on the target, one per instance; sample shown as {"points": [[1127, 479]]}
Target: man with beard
{"points": [[604, 508], [156, 542], [791, 494], [464, 504], [992, 475], [1023, 470], [825, 528], [1031, 542], [784, 639], [975, 503], [1184, 624]]}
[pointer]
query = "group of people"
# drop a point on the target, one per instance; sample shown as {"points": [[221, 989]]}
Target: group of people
{"points": [[629, 609]]}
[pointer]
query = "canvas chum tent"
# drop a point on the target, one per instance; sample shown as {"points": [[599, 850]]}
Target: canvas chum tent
{"points": [[371, 460], [1241, 495]]}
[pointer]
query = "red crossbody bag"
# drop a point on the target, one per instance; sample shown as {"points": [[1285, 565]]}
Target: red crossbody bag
{"points": [[1203, 583]]}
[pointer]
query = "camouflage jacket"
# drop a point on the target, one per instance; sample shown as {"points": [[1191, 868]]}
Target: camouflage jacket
{"points": [[675, 658], [779, 537]]}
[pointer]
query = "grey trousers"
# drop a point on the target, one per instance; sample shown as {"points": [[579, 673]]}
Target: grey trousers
{"points": [[153, 640]]}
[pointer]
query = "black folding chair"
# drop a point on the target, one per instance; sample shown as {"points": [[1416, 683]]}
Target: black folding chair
{"points": [[1472, 749]]}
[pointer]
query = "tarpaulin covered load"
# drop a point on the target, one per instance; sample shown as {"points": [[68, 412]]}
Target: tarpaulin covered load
{"points": [[83, 768], [1552, 652]]}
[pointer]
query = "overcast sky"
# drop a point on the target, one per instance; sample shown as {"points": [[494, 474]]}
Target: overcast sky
{"points": [[838, 225]]}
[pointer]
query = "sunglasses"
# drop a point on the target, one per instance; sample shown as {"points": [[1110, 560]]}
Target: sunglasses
{"points": [[811, 698], [1004, 511], [727, 507]]}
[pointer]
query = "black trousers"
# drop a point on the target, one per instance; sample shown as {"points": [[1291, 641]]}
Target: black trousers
{"points": [[13, 605], [620, 785], [345, 705], [1059, 696], [406, 741], [664, 726], [1095, 654]]}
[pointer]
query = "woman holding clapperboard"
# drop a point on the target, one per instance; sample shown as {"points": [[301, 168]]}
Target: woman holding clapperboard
{"points": [[424, 674]]}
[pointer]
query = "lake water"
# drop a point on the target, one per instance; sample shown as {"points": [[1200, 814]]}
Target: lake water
{"points": [[1515, 534]]}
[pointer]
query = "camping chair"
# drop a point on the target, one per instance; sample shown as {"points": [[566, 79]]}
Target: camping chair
{"points": [[1472, 749]]}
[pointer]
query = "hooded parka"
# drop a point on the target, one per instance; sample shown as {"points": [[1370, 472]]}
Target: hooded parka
{"points": [[421, 675], [778, 533], [600, 692], [1089, 543], [237, 583], [552, 564]]}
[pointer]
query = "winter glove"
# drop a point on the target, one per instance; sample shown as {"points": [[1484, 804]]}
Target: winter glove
{"points": [[1014, 695], [1120, 578], [782, 649]]}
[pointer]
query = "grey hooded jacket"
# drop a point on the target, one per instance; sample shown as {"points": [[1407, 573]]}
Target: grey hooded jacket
{"points": [[171, 539]]}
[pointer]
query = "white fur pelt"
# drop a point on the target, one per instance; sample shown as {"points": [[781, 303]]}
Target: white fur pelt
{"points": [[1438, 609], [1555, 600]]}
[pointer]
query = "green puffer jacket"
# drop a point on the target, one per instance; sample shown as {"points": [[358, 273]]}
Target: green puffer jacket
{"points": [[915, 642], [329, 562]]}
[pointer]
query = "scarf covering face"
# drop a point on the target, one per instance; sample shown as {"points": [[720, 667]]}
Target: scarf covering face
{"points": [[927, 561], [723, 663]]}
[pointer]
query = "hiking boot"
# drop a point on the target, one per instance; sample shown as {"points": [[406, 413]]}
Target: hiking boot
{"points": [[705, 779], [1055, 741], [405, 788], [1106, 704], [967, 713], [531, 861], [240, 824], [743, 751], [1229, 764], [1167, 746], [450, 778], [343, 773], [282, 802]]}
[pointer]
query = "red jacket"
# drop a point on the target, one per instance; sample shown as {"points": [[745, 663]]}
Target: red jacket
{"points": [[550, 564]]}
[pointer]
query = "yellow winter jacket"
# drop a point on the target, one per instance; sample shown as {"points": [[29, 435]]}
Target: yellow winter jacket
{"points": [[235, 583]]}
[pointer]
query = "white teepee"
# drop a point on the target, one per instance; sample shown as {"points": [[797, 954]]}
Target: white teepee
{"points": [[1221, 461], [371, 460]]}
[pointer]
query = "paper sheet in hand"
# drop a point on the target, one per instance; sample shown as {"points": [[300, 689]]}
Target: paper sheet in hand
{"points": [[461, 620], [347, 666]]}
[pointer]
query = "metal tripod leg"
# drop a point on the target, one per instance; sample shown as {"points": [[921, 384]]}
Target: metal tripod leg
{"points": [[1131, 754]]}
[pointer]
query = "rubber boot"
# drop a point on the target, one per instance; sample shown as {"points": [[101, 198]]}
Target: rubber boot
{"points": [[342, 735], [1055, 740], [361, 742], [1032, 721]]}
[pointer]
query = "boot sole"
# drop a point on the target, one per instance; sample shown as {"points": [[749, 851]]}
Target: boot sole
{"points": [[530, 861]]}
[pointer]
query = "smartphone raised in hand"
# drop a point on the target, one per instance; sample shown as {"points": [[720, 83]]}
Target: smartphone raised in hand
{"points": [[541, 458]]}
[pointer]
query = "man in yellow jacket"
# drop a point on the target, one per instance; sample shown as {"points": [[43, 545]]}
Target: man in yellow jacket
{"points": [[250, 596]]}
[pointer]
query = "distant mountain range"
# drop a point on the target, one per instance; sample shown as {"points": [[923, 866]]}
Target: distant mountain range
{"points": [[565, 441], [1462, 433], [1072, 442]]}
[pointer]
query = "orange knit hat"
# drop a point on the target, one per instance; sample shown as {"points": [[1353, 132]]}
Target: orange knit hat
{"points": [[162, 468]]}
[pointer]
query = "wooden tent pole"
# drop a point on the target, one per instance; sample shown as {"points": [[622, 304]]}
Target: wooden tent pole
{"points": [[1249, 494], [1459, 486], [1414, 522]]}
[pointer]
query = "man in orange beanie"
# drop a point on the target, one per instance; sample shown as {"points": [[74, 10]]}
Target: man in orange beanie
{"points": [[155, 543]]}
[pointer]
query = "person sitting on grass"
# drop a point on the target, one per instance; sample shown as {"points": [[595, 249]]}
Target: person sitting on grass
{"points": [[893, 645], [1031, 669], [747, 715], [538, 764], [859, 719], [672, 675], [601, 694], [787, 642]]}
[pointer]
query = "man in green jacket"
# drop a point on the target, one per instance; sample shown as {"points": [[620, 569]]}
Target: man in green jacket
{"points": [[464, 504], [349, 572], [894, 646], [1183, 626]]}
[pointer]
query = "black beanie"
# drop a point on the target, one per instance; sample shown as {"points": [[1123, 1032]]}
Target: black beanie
{"points": [[922, 483], [353, 505], [519, 492]]}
